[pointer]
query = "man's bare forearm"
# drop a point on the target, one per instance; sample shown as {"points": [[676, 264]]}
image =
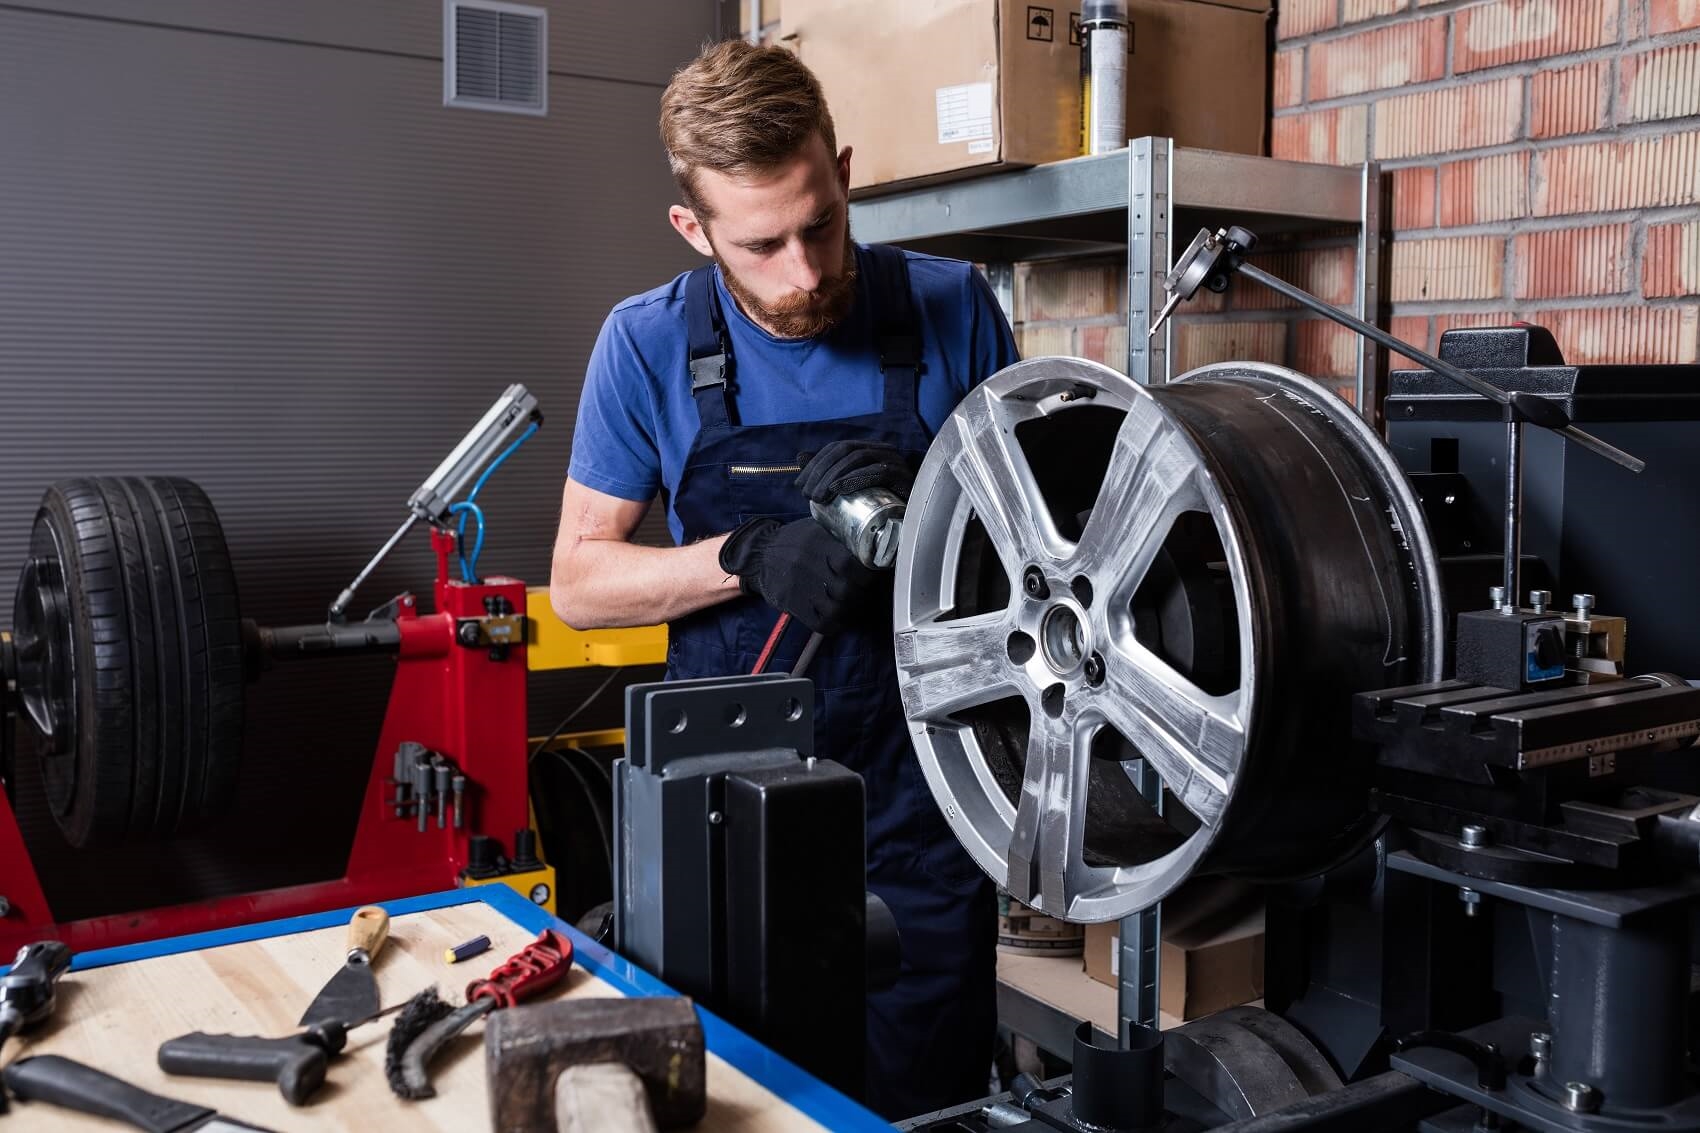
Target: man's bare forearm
{"points": [[606, 583]]}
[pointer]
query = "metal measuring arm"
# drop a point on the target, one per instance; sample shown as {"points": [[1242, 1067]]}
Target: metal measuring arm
{"points": [[432, 500], [1213, 256]]}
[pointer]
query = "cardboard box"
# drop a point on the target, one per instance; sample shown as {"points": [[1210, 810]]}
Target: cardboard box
{"points": [[930, 89], [1212, 952]]}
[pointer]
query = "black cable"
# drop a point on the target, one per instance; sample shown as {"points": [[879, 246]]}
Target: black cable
{"points": [[555, 733]]}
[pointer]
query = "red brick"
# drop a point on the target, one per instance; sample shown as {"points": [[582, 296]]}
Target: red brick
{"points": [[1413, 198], [1569, 101], [1378, 59], [1514, 31], [1106, 344], [1454, 118], [1660, 84], [1484, 190], [1301, 17], [1067, 290], [1199, 344], [1612, 176], [1674, 15], [1571, 261], [1324, 349], [1045, 341], [1671, 263], [1289, 78], [1456, 267], [1332, 137], [1627, 335], [1358, 11], [1328, 273], [1408, 328]]}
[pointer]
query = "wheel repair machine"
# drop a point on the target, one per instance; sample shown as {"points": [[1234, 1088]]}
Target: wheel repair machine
{"points": [[128, 657], [1222, 627]]}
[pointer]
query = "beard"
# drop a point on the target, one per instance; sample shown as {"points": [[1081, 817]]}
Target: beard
{"points": [[801, 314]]}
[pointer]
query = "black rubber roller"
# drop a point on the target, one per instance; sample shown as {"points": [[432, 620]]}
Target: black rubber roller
{"points": [[129, 654]]}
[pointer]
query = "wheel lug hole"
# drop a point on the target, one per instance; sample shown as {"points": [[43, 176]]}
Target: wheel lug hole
{"points": [[1021, 647], [1033, 582], [1082, 587], [1094, 670], [1052, 700]]}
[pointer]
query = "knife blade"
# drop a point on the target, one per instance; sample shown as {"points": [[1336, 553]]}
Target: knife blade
{"points": [[351, 996]]}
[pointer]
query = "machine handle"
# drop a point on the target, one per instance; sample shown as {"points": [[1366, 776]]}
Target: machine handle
{"points": [[294, 1063], [367, 930], [60, 1081]]}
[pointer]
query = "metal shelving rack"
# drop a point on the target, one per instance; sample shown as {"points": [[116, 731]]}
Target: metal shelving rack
{"points": [[1148, 201]]}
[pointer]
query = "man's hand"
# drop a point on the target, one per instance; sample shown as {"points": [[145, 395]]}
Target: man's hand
{"points": [[845, 467], [800, 569]]}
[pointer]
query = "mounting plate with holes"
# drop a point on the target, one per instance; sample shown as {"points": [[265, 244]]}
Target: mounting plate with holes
{"points": [[713, 715], [1097, 573]]}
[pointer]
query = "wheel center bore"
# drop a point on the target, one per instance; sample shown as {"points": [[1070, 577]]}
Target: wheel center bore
{"points": [[1064, 639]]}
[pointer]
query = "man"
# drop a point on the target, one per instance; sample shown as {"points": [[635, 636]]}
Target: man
{"points": [[710, 390]]}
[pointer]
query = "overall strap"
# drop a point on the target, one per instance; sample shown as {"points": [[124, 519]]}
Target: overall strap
{"points": [[896, 329], [710, 351]]}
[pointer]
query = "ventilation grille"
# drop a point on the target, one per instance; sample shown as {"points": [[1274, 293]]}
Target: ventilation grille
{"points": [[494, 56]]}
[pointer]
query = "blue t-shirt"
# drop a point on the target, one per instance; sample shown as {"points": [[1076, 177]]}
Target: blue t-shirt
{"points": [[637, 419]]}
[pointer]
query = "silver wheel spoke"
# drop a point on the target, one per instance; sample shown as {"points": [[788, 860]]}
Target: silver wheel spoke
{"points": [[1045, 867], [1194, 740], [984, 457], [950, 666], [1152, 478]]}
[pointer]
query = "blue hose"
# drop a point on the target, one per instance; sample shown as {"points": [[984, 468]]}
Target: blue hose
{"points": [[469, 564]]}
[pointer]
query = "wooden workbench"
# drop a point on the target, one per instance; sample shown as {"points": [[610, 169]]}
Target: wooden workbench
{"points": [[118, 1005]]}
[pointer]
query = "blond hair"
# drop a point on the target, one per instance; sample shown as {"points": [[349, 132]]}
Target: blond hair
{"points": [[740, 109]]}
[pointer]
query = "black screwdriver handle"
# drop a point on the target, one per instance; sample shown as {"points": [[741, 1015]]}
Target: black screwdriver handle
{"points": [[60, 1081], [297, 1066]]}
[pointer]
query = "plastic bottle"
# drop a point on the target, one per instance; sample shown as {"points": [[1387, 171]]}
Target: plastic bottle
{"points": [[1104, 39]]}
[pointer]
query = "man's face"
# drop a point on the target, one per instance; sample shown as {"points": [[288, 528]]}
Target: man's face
{"points": [[782, 239]]}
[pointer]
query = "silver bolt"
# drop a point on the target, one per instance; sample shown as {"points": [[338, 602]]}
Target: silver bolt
{"points": [[1472, 901], [1538, 600], [1584, 604], [1540, 1046], [809, 763], [1496, 595], [715, 818], [1474, 836], [1579, 1097]]}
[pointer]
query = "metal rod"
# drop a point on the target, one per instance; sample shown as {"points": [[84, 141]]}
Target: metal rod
{"points": [[1446, 370], [807, 656], [340, 606], [1513, 511]]}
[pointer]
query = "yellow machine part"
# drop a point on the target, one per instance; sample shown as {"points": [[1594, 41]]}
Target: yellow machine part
{"points": [[550, 644], [533, 884]]}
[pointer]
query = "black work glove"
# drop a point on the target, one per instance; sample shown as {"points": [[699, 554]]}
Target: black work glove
{"points": [[843, 467], [800, 569]]}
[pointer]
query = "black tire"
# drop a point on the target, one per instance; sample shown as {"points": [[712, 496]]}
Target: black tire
{"points": [[130, 657]]}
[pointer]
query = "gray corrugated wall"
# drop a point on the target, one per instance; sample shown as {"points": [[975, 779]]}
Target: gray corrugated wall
{"points": [[246, 243]]}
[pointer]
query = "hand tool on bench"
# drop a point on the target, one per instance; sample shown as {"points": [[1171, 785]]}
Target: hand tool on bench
{"points": [[427, 1023], [351, 996], [536, 1060], [296, 1063], [63, 1082], [27, 991]]}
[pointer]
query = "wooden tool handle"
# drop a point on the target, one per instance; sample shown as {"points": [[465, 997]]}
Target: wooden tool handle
{"points": [[368, 929]]}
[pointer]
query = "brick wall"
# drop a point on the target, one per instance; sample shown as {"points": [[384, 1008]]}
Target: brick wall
{"points": [[1545, 157], [1545, 165]]}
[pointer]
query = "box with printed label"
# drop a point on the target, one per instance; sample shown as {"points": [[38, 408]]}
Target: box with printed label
{"points": [[1212, 954], [930, 89]]}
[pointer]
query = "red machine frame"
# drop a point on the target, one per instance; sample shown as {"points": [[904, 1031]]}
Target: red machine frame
{"points": [[466, 702]]}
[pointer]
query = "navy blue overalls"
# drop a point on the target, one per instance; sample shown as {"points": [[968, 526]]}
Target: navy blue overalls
{"points": [[930, 1036]]}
